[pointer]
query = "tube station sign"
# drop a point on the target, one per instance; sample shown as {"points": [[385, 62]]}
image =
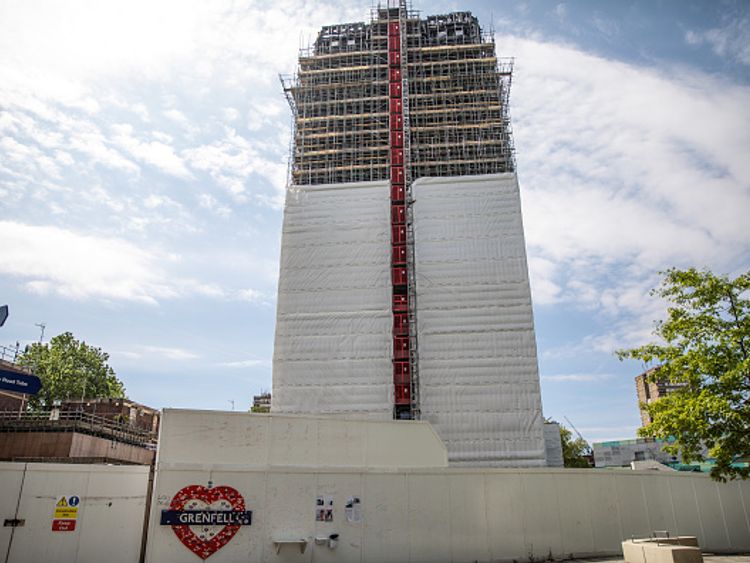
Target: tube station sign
{"points": [[19, 382]]}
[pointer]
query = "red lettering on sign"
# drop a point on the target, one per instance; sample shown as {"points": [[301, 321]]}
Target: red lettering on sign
{"points": [[63, 525]]}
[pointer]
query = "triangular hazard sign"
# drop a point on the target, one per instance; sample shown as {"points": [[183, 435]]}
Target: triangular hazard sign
{"points": [[62, 502]]}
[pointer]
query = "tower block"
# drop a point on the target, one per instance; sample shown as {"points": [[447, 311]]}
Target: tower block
{"points": [[403, 287]]}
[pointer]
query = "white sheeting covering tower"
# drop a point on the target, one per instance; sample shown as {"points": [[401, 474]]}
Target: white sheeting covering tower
{"points": [[478, 365], [479, 379], [332, 350]]}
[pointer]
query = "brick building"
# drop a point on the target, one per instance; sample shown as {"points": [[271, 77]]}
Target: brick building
{"points": [[649, 391], [120, 410]]}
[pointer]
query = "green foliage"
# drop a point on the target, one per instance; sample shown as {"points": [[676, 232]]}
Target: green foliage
{"points": [[574, 451], [706, 343], [70, 369], [260, 408]]}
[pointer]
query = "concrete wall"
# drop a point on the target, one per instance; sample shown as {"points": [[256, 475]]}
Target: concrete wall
{"points": [[19, 445], [462, 515], [412, 513], [109, 521], [10, 401], [265, 440]]}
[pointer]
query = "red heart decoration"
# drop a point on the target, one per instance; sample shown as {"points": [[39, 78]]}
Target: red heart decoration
{"points": [[205, 548]]}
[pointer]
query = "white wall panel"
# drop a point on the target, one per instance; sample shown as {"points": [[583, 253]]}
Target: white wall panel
{"points": [[735, 517], [109, 520], [711, 513], [467, 515], [631, 505], [429, 530], [505, 523], [685, 507], [576, 526], [386, 518], [606, 528], [11, 478]]}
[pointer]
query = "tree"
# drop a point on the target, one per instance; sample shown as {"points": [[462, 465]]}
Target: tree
{"points": [[705, 347], [70, 369], [575, 452]]}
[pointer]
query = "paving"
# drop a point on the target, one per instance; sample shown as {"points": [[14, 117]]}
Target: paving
{"points": [[707, 558]]}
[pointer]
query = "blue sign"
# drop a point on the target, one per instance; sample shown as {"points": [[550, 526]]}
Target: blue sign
{"points": [[73, 501], [19, 382], [206, 517]]}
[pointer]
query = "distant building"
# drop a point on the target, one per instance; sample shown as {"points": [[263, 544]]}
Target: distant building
{"points": [[620, 453], [261, 403], [119, 410], [553, 445], [650, 391]]}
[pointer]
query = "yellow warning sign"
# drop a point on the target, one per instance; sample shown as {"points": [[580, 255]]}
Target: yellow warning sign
{"points": [[68, 512], [62, 502]]}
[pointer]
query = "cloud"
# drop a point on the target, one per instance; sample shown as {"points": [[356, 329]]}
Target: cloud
{"points": [[230, 114], [578, 377], [251, 295], [731, 40], [51, 260], [175, 40], [176, 354], [542, 274], [605, 26], [207, 201], [233, 160], [54, 260], [177, 116], [247, 363], [156, 153], [625, 171]]}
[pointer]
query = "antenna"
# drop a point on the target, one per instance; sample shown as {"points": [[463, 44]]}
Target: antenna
{"points": [[42, 326], [588, 446]]}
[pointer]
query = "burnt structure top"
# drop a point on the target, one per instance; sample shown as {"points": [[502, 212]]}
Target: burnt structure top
{"points": [[456, 28]]}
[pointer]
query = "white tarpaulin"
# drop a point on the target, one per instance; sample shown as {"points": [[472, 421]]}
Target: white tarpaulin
{"points": [[478, 371], [478, 368], [332, 351]]}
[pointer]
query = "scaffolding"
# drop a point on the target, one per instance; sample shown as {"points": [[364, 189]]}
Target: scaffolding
{"points": [[458, 100]]}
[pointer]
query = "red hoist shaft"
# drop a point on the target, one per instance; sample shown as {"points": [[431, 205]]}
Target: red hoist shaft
{"points": [[399, 265]]}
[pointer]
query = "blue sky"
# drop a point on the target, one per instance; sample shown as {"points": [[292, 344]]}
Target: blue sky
{"points": [[143, 159]]}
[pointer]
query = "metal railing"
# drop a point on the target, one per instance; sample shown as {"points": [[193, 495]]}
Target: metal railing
{"points": [[55, 420], [10, 353]]}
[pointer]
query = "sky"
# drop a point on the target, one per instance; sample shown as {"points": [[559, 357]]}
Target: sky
{"points": [[143, 162]]}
